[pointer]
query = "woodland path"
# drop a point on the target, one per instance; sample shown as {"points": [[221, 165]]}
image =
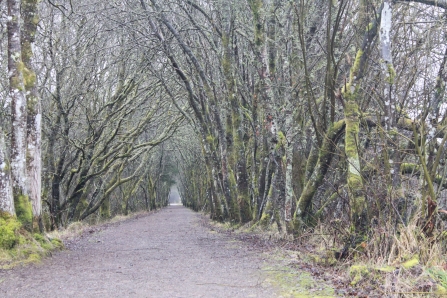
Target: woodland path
{"points": [[166, 254]]}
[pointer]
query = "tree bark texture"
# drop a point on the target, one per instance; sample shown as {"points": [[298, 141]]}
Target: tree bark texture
{"points": [[34, 112], [6, 197], [18, 101]]}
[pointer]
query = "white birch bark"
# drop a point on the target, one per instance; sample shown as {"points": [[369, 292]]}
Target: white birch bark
{"points": [[6, 198], [33, 162], [18, 100], [393, 162], [387, 63]]}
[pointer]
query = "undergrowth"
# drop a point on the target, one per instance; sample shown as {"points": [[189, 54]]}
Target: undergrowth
{"points": [[393, 261], [18, 246]]}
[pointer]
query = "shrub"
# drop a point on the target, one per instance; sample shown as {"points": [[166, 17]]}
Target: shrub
{"points": [[9, 227]]}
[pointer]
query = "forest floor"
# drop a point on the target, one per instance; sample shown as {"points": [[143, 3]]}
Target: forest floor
{"points": [[170, 253]]}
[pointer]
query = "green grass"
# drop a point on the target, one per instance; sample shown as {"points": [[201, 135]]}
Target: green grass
{"points": [[19, 246]]}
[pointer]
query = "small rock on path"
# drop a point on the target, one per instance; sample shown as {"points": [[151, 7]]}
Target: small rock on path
{"points": [[166, 254]]}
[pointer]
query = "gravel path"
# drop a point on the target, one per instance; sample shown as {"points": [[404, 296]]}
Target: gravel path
{"points": [[166, 254]]}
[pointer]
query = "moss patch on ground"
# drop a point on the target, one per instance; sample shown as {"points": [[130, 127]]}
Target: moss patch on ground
{"points": [[282, 273], [19, 246], [440, 276], [294, 283], [9, 228]]}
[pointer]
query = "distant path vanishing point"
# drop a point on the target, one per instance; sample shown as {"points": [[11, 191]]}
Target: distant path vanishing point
{"points": [[166, 254]]}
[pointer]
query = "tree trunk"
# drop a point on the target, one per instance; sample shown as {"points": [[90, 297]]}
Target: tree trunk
{"points": [[18, 100], [355, 181], [350, 93], [33, 105], [105, 209], [18, 115], [6, 198], [392, 158], [288, 158], [325, 156], [236, 131]]}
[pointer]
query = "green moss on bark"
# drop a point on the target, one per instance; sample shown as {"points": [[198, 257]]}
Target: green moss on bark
{"points": [[391, 74], [29, 78], [82, 206], [210, 140], [352, 128], [354, 178], [266, 216], [104, 210], [356, 67], [24, 211], [257, 10], [324, 159], [245, 208], [235, 214]]}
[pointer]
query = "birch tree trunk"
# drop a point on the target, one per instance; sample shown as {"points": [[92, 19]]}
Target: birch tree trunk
{"points": [[33, 105], [392, 157], [18, 113], [6, 198]]}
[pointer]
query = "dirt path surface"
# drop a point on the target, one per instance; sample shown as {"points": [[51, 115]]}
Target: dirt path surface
{"points": [[166, 254]]}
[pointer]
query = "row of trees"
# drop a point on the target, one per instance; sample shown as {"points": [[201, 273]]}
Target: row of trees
{"points": [[20, 166], [268, 111], [308, 110], [96, 148]]}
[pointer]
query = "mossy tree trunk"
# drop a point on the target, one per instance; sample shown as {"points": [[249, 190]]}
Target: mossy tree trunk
{"points": [[83, 178], [104, 210], [254, 162], [18, 100], [127, 195], [152, 194], [34, 114], [265, 52], [236, 131], [288, 164], [6, 197], [214, 201], [279, 187], [265, 180], [17, 91], [325, 156], [355, 181], [350, 94], [428, 130], [55, 163]]}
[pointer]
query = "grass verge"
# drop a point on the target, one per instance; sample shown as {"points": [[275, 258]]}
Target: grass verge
{"points": [[399, 262], [18, 246]]}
